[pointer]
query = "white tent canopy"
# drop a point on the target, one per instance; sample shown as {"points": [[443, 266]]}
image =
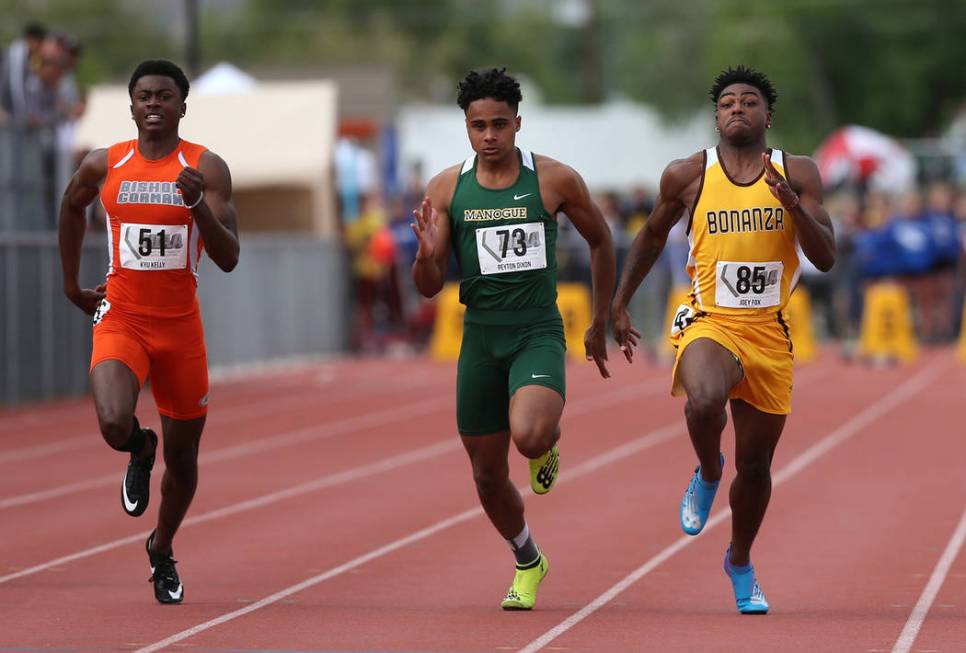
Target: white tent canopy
{"points": [[223, 79], [614, 146], [276, 135]]}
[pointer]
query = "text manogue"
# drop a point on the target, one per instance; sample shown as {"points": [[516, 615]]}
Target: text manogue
{"points": [[480, 215]]}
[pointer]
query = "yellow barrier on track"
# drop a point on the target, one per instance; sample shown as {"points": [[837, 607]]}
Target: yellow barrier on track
{"points": [[798, 315], [887, 333], [444, 344], [573, 301]]}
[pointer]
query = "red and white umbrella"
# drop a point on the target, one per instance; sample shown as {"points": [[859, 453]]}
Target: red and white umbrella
{"points": [[861, 155]]}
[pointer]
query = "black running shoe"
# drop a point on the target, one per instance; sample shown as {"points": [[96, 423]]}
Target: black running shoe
{"points": [[167, 585], [136, 488]]}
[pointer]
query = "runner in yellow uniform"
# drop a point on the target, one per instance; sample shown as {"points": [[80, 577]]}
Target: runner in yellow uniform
{"points": [[748, 207]]}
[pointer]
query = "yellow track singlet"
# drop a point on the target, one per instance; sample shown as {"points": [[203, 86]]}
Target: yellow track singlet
{"points": [[743, 261]]}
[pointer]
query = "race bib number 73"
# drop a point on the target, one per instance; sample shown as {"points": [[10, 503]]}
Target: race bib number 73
{"points": [[153, 247], [741, 284], [511, 248]]}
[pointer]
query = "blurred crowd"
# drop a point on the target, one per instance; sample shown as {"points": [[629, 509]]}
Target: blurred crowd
{"points": [[917, 238], [40, 100], [38, 84]]}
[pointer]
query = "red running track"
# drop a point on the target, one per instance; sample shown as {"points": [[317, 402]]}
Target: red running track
{"points": [[336, 513]]}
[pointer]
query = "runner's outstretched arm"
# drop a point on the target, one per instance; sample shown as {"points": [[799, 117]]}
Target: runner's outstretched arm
{"points": [[649, 244], [589, 222], [208, 191], [431, 227], [803, 199], [81, 191]]}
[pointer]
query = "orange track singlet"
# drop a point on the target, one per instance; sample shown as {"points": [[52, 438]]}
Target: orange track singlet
{"points": [[154, 244]]}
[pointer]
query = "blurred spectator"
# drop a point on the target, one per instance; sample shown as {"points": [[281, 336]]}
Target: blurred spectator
{"points": [[959, 214], [379, 314], [20, 62], [45, 106], [846, 276], [878, 209], [73, 103], [356, 177], [46, 110], [70, 95], [413, 190], [638, 206], [918, 247], [941, 282], [609, 205]]}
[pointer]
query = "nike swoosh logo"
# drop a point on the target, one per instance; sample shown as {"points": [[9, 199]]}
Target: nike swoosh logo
{"points": [[176, 594], [520, 197], [539, 376], [130, 505]]}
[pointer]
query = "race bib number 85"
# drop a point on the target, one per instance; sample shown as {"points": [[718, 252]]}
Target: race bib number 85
{"points": [[153, 247], [748, 285], [511, 248]]}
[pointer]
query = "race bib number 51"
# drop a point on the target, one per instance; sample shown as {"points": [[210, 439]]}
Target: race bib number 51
{"points": [[748, 285], [154, 247], [511, 248]]}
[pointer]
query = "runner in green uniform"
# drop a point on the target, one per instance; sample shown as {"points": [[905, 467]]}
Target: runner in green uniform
{"points": [[497, 213]]}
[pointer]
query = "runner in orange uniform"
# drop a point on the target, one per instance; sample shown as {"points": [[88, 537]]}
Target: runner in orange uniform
{"points": [[167, 200]]}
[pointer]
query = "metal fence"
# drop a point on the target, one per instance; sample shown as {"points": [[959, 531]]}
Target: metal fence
{"points": [[289, 296], [33, 172]]}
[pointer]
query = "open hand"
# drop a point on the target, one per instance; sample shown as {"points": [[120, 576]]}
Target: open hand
{"points": [[426, 228], [624, 333], [595, 347], [778, 185]]}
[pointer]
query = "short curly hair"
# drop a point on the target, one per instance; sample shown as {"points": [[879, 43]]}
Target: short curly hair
{"points": [[493, 83], [163, 68], [741, 74]]}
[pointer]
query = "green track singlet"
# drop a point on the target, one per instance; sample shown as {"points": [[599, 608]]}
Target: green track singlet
{"points": [[505, 244]]}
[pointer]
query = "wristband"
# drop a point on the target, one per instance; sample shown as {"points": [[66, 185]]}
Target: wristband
{"points": [[197, 201]]}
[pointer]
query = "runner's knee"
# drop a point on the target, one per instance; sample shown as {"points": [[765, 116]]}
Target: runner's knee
{"points": [[534, 440], [755, 470], [705, 406], [115, 428], [181, 461], [489, 481]]}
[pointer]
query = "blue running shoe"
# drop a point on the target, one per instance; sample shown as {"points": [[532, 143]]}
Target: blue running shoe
{"points": [[748, 595], [696, 504]]}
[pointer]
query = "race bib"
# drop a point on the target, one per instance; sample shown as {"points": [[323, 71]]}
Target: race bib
{"points": [[511, 248], [683, 318], [748, 285], [152, 247]]}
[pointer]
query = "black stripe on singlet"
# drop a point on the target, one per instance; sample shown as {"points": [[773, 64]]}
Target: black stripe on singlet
{"points": [[788, 337], [697, 196]]}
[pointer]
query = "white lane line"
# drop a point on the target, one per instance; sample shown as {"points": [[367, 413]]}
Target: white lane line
{"points": [[323, 482], [587, 405], [620, 452], [276, 441], [320, 397], [911, 630], [891, 401], [61, 446], [323, 431]]}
